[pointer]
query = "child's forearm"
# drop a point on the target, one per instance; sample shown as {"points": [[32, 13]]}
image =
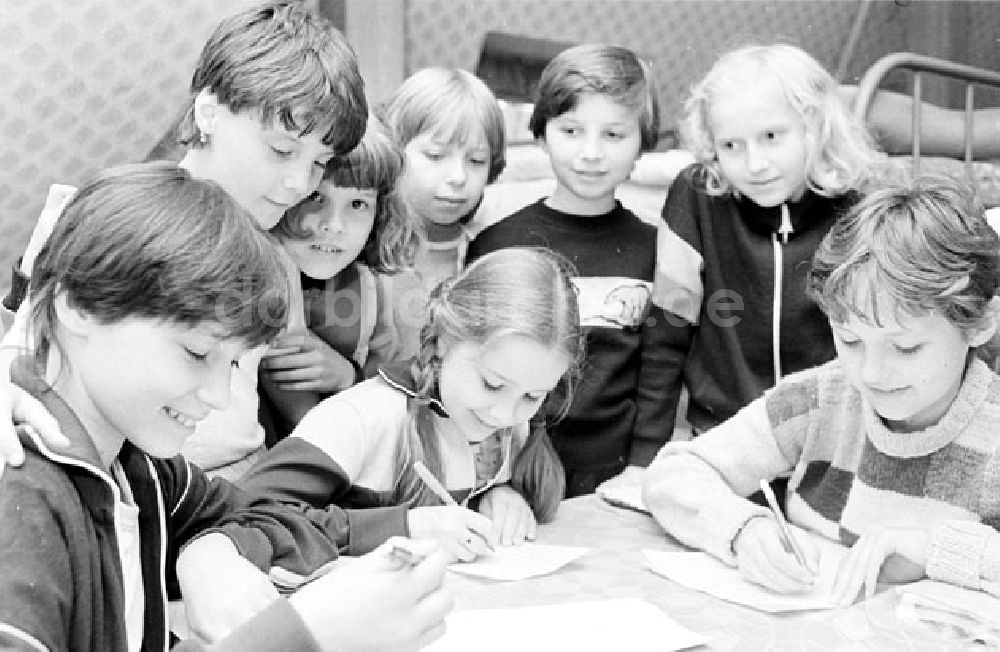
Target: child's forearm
{"points": [[693, 502]]}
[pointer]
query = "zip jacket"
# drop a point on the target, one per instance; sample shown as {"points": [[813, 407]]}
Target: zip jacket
{"points": [[733, 275]]}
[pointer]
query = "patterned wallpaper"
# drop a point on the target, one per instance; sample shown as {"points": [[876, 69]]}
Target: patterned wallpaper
{"points": [[680, 37], [85, 84]]}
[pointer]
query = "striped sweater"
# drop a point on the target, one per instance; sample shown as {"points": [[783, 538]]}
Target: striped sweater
{"points": [[848, 472]]}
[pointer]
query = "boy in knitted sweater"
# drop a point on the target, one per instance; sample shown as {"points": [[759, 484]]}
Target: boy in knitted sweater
{"points": [[892, 446]]}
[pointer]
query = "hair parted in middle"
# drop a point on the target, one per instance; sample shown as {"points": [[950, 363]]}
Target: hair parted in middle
{"points": [[286, 66], [148, 241], [376, 164], [450, 104], [523, 291], [595, 68], [841, 151], [924, 244]]}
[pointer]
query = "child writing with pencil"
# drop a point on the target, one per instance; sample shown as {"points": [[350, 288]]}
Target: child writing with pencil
{"points": [[137, 340], [779, 157], [350, 229], [498, 338], [891, 446]]}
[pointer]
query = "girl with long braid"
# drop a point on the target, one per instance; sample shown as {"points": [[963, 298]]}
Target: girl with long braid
{"points": [[498, 338]]}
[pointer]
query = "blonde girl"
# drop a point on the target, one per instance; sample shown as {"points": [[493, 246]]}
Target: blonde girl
{"points": [[451, 129], [498, 337], [779, 157]]}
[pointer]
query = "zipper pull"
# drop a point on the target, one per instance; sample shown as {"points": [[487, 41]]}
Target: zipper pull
{"points": [[786, 224]]}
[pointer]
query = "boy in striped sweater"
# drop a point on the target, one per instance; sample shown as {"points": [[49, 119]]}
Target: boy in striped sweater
{"points": [[892, 446]]}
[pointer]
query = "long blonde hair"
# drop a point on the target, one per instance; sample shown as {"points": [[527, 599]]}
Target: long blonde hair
{"points": [[841, 151], [516, 291]]}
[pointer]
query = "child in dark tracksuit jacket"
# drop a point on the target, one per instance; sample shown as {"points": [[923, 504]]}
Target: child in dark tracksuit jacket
{"points": [[778, 159], [135, 339]]}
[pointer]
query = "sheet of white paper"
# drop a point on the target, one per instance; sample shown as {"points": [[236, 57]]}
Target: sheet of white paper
{"points": [[520, 562], [620, 624], [703, 572], [956, 599]]}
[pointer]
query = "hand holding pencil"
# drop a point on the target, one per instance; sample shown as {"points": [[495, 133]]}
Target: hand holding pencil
{"points": [[460, 531], [770, 553]]}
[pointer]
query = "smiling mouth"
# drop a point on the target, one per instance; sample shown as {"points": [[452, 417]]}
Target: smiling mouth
{"points": [[185, 420], [485, 424], [326, 249], [886, 392]]}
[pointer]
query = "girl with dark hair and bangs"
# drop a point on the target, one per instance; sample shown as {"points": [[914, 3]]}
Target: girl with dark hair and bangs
{"points": [[351, 228]]}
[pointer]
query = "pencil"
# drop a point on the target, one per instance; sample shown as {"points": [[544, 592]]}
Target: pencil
{"points": [[786, 532], [435, 486]]}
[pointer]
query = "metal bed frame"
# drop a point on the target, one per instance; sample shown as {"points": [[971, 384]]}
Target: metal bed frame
{"points": [[919, 64]]}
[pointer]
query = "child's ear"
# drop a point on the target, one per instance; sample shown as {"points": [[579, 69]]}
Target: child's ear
{"points": [[206, 111], [988, 331], [71, 319]]}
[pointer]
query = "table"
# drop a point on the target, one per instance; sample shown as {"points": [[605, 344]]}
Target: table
{"points": [[616, 568]]}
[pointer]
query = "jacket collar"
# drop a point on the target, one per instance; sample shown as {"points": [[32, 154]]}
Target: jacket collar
{"points": [[768, 219], [399, 376], [81, 450]]}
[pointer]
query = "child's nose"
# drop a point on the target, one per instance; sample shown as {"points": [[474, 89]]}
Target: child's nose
{"points": [[300, 178], [504, 412], [591, 147], [333, 221], [457, 173], [214, 391], [756, 161], [875, 369]]}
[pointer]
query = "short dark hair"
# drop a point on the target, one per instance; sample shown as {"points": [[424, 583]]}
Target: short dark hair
{"points": [[597, 69], [149, 241], [286, 65]]}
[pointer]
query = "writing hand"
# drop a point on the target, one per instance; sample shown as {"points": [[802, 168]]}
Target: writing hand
{"points": [[375, 603], [301, 361], [763, 559], [462, 533]]}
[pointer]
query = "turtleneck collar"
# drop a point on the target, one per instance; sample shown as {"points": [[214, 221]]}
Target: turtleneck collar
{"points": [[968, 402]]}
